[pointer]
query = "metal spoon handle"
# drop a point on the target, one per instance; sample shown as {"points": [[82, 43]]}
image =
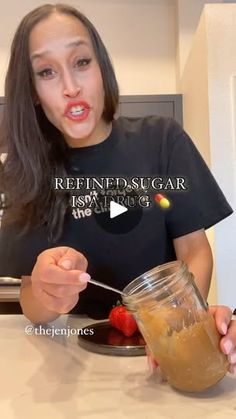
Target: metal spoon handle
{"points": [[8, 280], [101, 284]]}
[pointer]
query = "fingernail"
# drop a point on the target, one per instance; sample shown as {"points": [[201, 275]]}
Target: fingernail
{"points": [[228, 346], [150, 365], [224, 328], [67, 264], [232, 358], [84, 277]]}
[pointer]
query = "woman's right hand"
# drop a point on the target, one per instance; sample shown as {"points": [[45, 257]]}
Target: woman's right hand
{"points": [[58, 277]]}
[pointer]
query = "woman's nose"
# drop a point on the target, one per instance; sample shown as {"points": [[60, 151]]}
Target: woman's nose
{"points": [[71, 87]]}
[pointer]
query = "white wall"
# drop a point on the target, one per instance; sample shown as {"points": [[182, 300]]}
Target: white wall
{"points": [[196, 111], [140, 36], [188, 14], [209, 89], [194, 86], [221, 34]]}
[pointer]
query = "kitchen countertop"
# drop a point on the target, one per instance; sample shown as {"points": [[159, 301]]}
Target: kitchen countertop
{"points": [[45, 377]]}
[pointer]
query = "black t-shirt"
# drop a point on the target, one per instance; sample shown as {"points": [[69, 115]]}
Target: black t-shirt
{"points": [[137, 147]]}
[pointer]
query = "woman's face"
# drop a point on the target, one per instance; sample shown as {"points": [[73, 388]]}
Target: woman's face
{"points": [[68, 79]]}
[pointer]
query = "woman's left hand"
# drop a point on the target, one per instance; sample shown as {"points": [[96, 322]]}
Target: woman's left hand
{"points": [[227, 328]]}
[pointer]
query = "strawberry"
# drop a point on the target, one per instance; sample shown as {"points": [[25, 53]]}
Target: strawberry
{"points": [[122, 320], [115, 337]]}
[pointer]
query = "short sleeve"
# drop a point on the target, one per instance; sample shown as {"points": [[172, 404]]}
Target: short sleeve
{"points": [[202, 204]]}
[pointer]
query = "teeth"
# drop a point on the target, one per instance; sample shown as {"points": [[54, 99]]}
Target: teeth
{"points": [[76, 110]]}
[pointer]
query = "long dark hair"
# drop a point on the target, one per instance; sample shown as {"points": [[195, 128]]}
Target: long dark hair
{"points": [[36, 149]]}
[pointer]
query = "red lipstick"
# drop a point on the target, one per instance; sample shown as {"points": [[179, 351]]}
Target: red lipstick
{"points": [[77, 111]]}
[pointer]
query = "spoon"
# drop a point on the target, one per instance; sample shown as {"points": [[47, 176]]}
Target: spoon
{"points": [[10, 280], [101, 284]]}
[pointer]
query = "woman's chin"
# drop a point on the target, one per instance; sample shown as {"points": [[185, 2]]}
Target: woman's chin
{"points": [[77, 137]]}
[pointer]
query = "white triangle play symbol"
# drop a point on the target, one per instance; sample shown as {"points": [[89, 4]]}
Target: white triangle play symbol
{"points": [[116, 209]]}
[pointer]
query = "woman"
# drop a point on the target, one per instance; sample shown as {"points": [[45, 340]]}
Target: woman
{"points": [[58, 121]]}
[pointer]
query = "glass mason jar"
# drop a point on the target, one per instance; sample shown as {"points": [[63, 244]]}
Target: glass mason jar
{"points": [[177, 326]]}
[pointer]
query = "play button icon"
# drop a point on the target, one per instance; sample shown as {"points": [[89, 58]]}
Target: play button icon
{"points": [[114, 213], [116, 209]]}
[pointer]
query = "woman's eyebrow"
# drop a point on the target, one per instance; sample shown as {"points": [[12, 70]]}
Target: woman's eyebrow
{"points": [[75, 43]]}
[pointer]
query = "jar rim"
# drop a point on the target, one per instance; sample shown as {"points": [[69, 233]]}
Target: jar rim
{"points": [[141, 284]]}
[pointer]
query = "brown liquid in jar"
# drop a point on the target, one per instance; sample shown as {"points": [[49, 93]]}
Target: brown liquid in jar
{"points": [[189, 356]]}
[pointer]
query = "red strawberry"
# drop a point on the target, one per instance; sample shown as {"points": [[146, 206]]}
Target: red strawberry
{"points": [[122, 320], [115, 337]]}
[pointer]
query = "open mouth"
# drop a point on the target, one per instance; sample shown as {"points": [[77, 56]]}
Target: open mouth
{"points": [[76, 110]]}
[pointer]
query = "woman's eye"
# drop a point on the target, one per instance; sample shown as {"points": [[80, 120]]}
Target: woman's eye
{"points": [[47, 72], [83, 62]]}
